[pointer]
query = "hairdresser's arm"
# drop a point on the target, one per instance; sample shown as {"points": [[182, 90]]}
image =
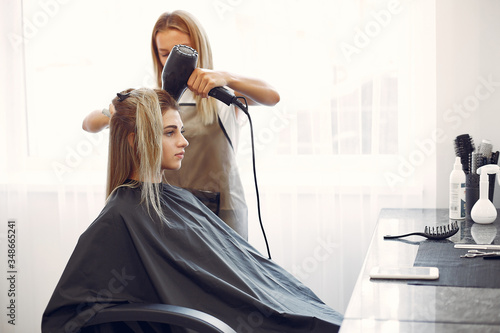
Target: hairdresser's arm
{"points": [[95, 122], [254, 90]]}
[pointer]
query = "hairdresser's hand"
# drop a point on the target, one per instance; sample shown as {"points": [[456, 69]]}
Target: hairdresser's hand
{"points": [[254, 90], [203, 80], [111, 109], [96, 121]]}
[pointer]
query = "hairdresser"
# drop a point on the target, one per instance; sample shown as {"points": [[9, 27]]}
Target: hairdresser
{"points": [[211, 127]]}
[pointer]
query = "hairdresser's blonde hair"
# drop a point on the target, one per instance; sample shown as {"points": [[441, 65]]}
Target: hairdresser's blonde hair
{"points": [[138, 112], [188, 24]]}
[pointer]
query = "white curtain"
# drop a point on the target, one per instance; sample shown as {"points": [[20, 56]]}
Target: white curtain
{"points": [[353, 132], [352, 135]]}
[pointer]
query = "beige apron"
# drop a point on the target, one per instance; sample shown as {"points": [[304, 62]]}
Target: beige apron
{"points": [[209, 165]]}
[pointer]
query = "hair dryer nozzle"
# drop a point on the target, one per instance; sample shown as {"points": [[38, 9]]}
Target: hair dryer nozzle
{"points": [[180, 64]]}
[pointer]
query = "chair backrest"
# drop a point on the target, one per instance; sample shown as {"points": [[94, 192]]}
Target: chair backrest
{"points": [[163, 314]]}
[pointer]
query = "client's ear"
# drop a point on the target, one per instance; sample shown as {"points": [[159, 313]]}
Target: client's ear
{"points": [[131, 138]]}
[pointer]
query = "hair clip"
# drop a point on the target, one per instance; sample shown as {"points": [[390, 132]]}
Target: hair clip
{"points": [[122, 97]]}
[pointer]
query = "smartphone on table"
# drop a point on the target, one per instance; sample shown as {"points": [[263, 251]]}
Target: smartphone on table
{"points": [[404, 273]]}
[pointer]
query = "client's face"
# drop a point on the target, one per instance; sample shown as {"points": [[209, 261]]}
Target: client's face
{"points": [[173, 142]]}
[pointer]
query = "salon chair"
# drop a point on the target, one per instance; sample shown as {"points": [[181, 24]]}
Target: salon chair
{"points": [[162, 314]]}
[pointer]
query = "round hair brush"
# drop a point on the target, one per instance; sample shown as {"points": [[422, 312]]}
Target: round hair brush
{"points": [[464, 146]]}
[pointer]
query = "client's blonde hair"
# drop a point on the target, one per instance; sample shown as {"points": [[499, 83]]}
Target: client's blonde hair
{"points": [[138, 111]]}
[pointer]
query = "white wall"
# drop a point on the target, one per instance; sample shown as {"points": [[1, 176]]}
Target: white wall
{"points": [[468, 52]]}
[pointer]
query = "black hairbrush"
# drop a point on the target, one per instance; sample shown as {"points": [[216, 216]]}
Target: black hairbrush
{"points": [[440, 232]]}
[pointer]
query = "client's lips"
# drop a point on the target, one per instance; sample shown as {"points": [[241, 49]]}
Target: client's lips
{"points": [[180, 155]]}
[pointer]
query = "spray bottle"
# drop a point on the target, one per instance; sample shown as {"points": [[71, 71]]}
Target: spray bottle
{"points": [[457, 191], [484, 212]]}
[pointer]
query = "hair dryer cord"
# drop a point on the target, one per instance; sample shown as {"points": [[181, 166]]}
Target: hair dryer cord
{"points": [[244, 108]]}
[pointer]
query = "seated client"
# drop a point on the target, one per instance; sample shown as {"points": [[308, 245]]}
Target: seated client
{"points": [[156, 243]]}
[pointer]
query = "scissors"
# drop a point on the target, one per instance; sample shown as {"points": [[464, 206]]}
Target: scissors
{"points": [[477, 253]]}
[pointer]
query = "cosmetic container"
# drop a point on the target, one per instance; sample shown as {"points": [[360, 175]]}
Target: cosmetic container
{"points": [[484, 212], [471, 193], [457, 191]]}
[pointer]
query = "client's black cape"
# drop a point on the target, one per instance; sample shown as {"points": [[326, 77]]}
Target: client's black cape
{"points": [[195, 261]]}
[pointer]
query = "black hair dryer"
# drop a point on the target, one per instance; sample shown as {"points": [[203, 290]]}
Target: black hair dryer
{"points": [[180, 64]]}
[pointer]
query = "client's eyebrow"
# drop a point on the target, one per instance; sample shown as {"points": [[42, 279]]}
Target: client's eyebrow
{"points": [[173, 127]]}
